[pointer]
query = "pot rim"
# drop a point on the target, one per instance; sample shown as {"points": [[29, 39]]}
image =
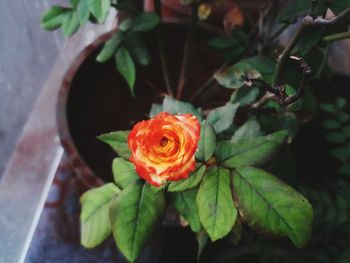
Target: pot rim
{"points": [[81, 168]]}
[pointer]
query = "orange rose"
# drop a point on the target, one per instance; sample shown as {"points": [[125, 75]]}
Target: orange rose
{"points": [[163, 148]]}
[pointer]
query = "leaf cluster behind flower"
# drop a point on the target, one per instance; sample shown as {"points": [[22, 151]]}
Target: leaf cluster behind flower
{"points": [[227, 187]]}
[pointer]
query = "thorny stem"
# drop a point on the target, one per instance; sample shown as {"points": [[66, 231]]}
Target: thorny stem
{"points": [[187, 52], [283, 58], [278, 93], [308, 21]]}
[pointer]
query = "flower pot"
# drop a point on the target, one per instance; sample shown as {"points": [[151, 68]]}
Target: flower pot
{"points": [[94, 99]]}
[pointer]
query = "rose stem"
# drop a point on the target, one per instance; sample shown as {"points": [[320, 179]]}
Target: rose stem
{"points": [[187, 51], [158, 9]]}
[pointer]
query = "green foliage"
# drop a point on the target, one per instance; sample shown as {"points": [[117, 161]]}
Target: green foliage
{"points": [[124, 172], [95, 214], [293, 9], [207, 143], [126, 67], [338, 133], [339, 5], [185, 204], [145, 22], [110, 47], [222, 117], [250, 152], [174, 106], [244, 95], [249, 130], [100, 9], [70, 23], [137, 47], [53, 17], [118, 141], [134, 215], [83, 10], [217, 212], [256, 67], [270, 205], [189, 183]]}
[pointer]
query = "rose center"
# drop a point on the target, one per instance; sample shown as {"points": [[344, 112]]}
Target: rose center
{"points": [[164, 141]]}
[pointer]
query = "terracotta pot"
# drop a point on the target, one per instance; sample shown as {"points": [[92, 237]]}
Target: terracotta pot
{"points": [[94, 99]]}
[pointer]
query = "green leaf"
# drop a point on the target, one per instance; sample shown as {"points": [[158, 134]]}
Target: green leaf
{"points": [[202, 239], [222, 42], [74, 3], [134, 215], [269, 205], [94, 217], [126, 67], [309, 39], [191, 182], [185, 204], [341, 153], [110, 47], [83, 11], [335, 137], [145, 22], [155, 109], [124, 172], [53, 18], [344, 169], [331, 124], [231, 77], [137, 47], [70, 24], [249, 130], [346, 131], [118, 141], [100, 9], [217, 211], [222, 117], [343, 117], [250, 152], [293, 9], [125, 25], [174, 106], [328, 108], [339, 6], [207, 142], [244, 95], [340, 102]]}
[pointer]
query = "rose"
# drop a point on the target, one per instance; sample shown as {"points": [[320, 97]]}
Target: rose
{"points": [[163, 148]]}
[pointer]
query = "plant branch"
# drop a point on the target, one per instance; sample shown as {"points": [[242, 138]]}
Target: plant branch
{"points": [[336, 37], [278, 94], [308, 21], [209, 81], [164, 65], [187, 52]]}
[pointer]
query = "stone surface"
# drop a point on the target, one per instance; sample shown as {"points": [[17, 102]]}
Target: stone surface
{"points": [[27, 55]]}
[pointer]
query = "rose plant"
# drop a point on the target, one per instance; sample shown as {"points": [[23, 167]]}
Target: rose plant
{"points": [[212, 160]]}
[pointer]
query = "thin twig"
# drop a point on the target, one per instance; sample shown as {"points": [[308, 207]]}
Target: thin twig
{"points": [[187, 52], [164, 64], [324, 60], [336, 37], [209, 81], [308, 21]]}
